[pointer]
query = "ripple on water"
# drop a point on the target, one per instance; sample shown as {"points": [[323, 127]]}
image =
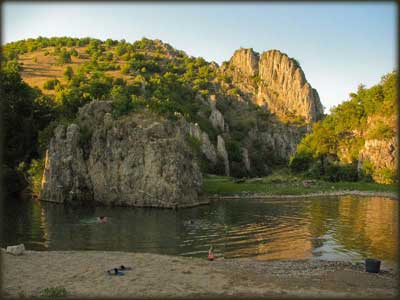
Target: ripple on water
{"points": [[335, 228]]}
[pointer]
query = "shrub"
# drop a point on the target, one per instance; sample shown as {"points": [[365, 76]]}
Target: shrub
{"points": [[68, 73], [238, 170], [51, 84], [300, 162], [64, 57], [53, 292], [74, 52], [219, 168], [335, 172], [385, 176], [35, 172]]}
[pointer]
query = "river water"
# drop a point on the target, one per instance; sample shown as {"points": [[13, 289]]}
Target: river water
{"points": [[346, 228]]}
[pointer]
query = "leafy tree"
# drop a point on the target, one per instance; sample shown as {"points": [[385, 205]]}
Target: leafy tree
{"points": [[25, 112], [68, 73], [64, 57], [51, 84]]}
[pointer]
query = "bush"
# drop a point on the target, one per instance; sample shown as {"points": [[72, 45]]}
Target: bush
{"points": [[68, 73], [64, 57], [336, 172], [238, 170], [74, 52], [35, 172], [53, 292], [51, 84], [300, 162], [385, 176]]}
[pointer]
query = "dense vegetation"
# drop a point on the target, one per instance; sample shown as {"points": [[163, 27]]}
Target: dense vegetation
{"points": [[25, 112], [148, 75], [151, 75], [332, 150]]}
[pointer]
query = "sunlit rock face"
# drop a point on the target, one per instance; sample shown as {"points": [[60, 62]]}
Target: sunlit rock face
{"points": [[136, 160], [277, 81]]}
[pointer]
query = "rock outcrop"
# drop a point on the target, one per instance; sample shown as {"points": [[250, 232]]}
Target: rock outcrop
{"points": [[277, 81], [137, 160], [216, 118], [207, 148], [382, 157], [221, 149]]}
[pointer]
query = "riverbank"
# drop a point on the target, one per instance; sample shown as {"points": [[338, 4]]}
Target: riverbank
{"points": [[83, 274], [287, 186], [309, 195]]}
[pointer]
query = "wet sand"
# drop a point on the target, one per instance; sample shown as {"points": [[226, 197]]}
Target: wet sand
{"points": [[83, 274]]}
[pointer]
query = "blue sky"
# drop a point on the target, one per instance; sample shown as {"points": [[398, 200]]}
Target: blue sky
{"points": [[339, 45]]}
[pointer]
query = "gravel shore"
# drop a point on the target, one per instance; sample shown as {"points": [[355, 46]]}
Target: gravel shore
{"points": [[83, 274]]}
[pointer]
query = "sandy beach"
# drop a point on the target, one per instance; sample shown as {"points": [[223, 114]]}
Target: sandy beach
{"points": [[83, 274]]}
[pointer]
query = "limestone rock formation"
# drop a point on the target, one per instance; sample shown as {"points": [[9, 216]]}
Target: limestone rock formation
{"points": [[137, 160], [207, 147], [216, 118], [246, 60], [382, 155], [245, 158], [275, 80], [223, 153]]}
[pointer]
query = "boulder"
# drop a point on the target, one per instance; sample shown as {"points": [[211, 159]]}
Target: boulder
{"points": [[16, 250]]}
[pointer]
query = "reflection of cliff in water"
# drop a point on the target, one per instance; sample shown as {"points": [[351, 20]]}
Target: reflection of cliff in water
{"points": [[369, 227], [21, 222]]}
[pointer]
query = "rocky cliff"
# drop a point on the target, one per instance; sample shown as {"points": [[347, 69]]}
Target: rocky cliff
{"points": [[136, 160], [379, 155], [277, 81]]}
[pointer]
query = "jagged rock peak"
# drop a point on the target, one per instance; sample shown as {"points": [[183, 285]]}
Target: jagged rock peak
{"points": [[281, 85], [246, 60]]}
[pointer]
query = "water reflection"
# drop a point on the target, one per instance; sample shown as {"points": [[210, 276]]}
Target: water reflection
{"points": [[341, 228]]}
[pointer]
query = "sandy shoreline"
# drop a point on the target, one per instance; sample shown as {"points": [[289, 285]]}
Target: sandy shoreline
{"points": [[319, 194], [83, 274]]}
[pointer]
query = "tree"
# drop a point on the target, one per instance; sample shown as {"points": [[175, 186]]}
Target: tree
{"points": [[64, 57], [25, 112], [68, 73]]}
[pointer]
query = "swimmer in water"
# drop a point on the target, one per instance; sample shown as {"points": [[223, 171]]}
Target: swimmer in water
{"points": [[102, 219], [211, 254]]}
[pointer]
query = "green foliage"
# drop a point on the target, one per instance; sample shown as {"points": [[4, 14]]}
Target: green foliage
{"points": [[338, 172], [51, 84], [238, 170], [74, 52], [68, 73], [386, 176], [53, 292], [300, 161], [381, 131], [35, 173], [64, 57], [24, 113], [347, 128]]}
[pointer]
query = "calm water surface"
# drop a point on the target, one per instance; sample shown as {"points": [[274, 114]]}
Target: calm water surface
{"points": [[334, 228]]}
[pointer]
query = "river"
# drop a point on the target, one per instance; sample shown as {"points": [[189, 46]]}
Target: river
{"points": [[348, 228]]}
